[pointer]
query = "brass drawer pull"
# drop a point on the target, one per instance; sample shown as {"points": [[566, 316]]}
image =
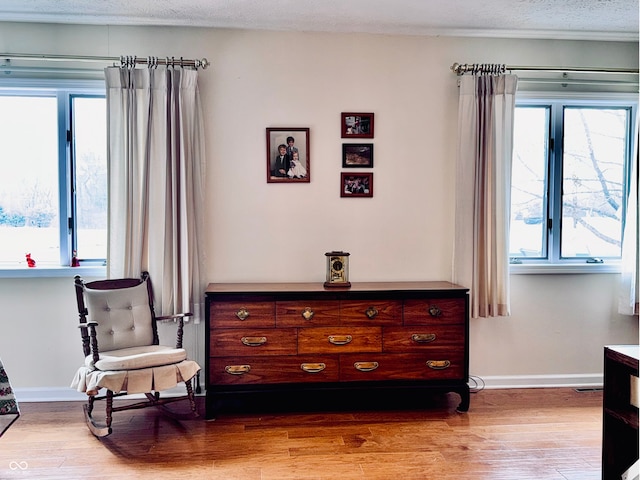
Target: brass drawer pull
{"points": [[242, 314], [423, 337], [340, 339], [307, 313], [434, 311], [366, 366], [237, 369], [371, 312], [313, 367], [254, 341], [438, 364]]}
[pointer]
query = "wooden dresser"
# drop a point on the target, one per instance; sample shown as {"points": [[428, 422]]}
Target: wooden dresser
{"points": [[620, 410], [292, 338]]}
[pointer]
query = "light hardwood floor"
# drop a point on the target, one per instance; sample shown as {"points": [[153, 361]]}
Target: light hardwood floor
{"points": [[542, 434]]}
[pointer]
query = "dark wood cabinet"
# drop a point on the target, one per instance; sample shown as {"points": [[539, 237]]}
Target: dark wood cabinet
{"points": [[304, 342], [620, 415]]}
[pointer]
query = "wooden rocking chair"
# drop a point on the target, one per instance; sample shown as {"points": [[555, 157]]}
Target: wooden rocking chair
{"points": [[122, 352]]}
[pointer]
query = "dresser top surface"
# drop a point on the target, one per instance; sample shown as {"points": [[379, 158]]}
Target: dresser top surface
{"points": [[631, 351], [213, 288]]}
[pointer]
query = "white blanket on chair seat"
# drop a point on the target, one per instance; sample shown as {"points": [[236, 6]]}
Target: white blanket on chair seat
{"points": [[144, 380]]}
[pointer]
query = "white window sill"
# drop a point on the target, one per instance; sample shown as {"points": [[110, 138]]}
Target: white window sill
{"points": [[52, 271], [571, 268]]}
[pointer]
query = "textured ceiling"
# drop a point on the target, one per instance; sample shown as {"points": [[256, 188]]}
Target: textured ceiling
{"points": [[564, 19]]}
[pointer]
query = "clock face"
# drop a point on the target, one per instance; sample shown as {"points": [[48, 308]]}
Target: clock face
{"points": [[336, 265]]}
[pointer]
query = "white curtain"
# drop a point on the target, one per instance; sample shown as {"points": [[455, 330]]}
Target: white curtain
{"points": [[628, 298], [156, 182], [483, 191]]}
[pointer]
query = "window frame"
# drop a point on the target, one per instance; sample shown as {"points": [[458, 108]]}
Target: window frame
{"points": [[554, 263], [64, 90]]}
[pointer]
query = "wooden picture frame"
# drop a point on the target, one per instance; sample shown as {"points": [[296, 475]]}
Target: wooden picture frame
{"points": [[356, 125], [357, 184], [357, 155], [288, 169]]}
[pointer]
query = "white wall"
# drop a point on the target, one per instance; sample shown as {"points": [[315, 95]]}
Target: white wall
{"points": [[275, 232]]}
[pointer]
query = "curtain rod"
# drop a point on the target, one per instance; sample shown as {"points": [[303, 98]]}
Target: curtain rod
{"points": [[125, 60], [459, 69]]}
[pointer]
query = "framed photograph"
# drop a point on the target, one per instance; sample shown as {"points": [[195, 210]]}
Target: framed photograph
{"points": [[357, 155], [356, 125], [356, 184], [288, 158]]}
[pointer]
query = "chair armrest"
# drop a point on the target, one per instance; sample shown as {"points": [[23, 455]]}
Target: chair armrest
{"points": [[174, 317], [179, 317], [95, 352], [88, 324]]}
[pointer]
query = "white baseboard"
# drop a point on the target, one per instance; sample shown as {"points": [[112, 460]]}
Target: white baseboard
{"points": [[579, 380], [595, 380], [47, 394]]}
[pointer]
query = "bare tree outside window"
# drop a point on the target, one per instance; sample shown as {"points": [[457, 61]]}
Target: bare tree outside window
{"points": [[593, 181], [568, 181]]}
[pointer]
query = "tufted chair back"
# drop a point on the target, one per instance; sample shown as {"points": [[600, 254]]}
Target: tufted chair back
{"points": [[123, 316], [122, 310]]}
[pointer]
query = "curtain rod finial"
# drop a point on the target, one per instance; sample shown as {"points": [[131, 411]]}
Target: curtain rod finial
{"points": [[204, 63]]}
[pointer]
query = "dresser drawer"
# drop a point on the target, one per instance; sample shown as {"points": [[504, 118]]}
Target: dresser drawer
{"points": [[371, 312], [440, 364], [423, 311], [287, 369], [242, 314], [339, 339], [420, 338], [307, 313], [227, 342]]}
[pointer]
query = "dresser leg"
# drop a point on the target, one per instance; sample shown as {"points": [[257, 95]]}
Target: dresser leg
{"points": [[210, 409], [465, 398]]}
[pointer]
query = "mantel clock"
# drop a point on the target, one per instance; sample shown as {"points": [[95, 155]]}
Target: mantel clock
{"points": [[337, 269]]}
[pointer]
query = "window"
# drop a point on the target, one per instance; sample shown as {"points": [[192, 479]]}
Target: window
{"points": [[53, 173], [570, 178]]}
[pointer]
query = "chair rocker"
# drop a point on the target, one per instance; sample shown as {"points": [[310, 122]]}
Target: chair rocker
{"points": [[120, 342]]}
